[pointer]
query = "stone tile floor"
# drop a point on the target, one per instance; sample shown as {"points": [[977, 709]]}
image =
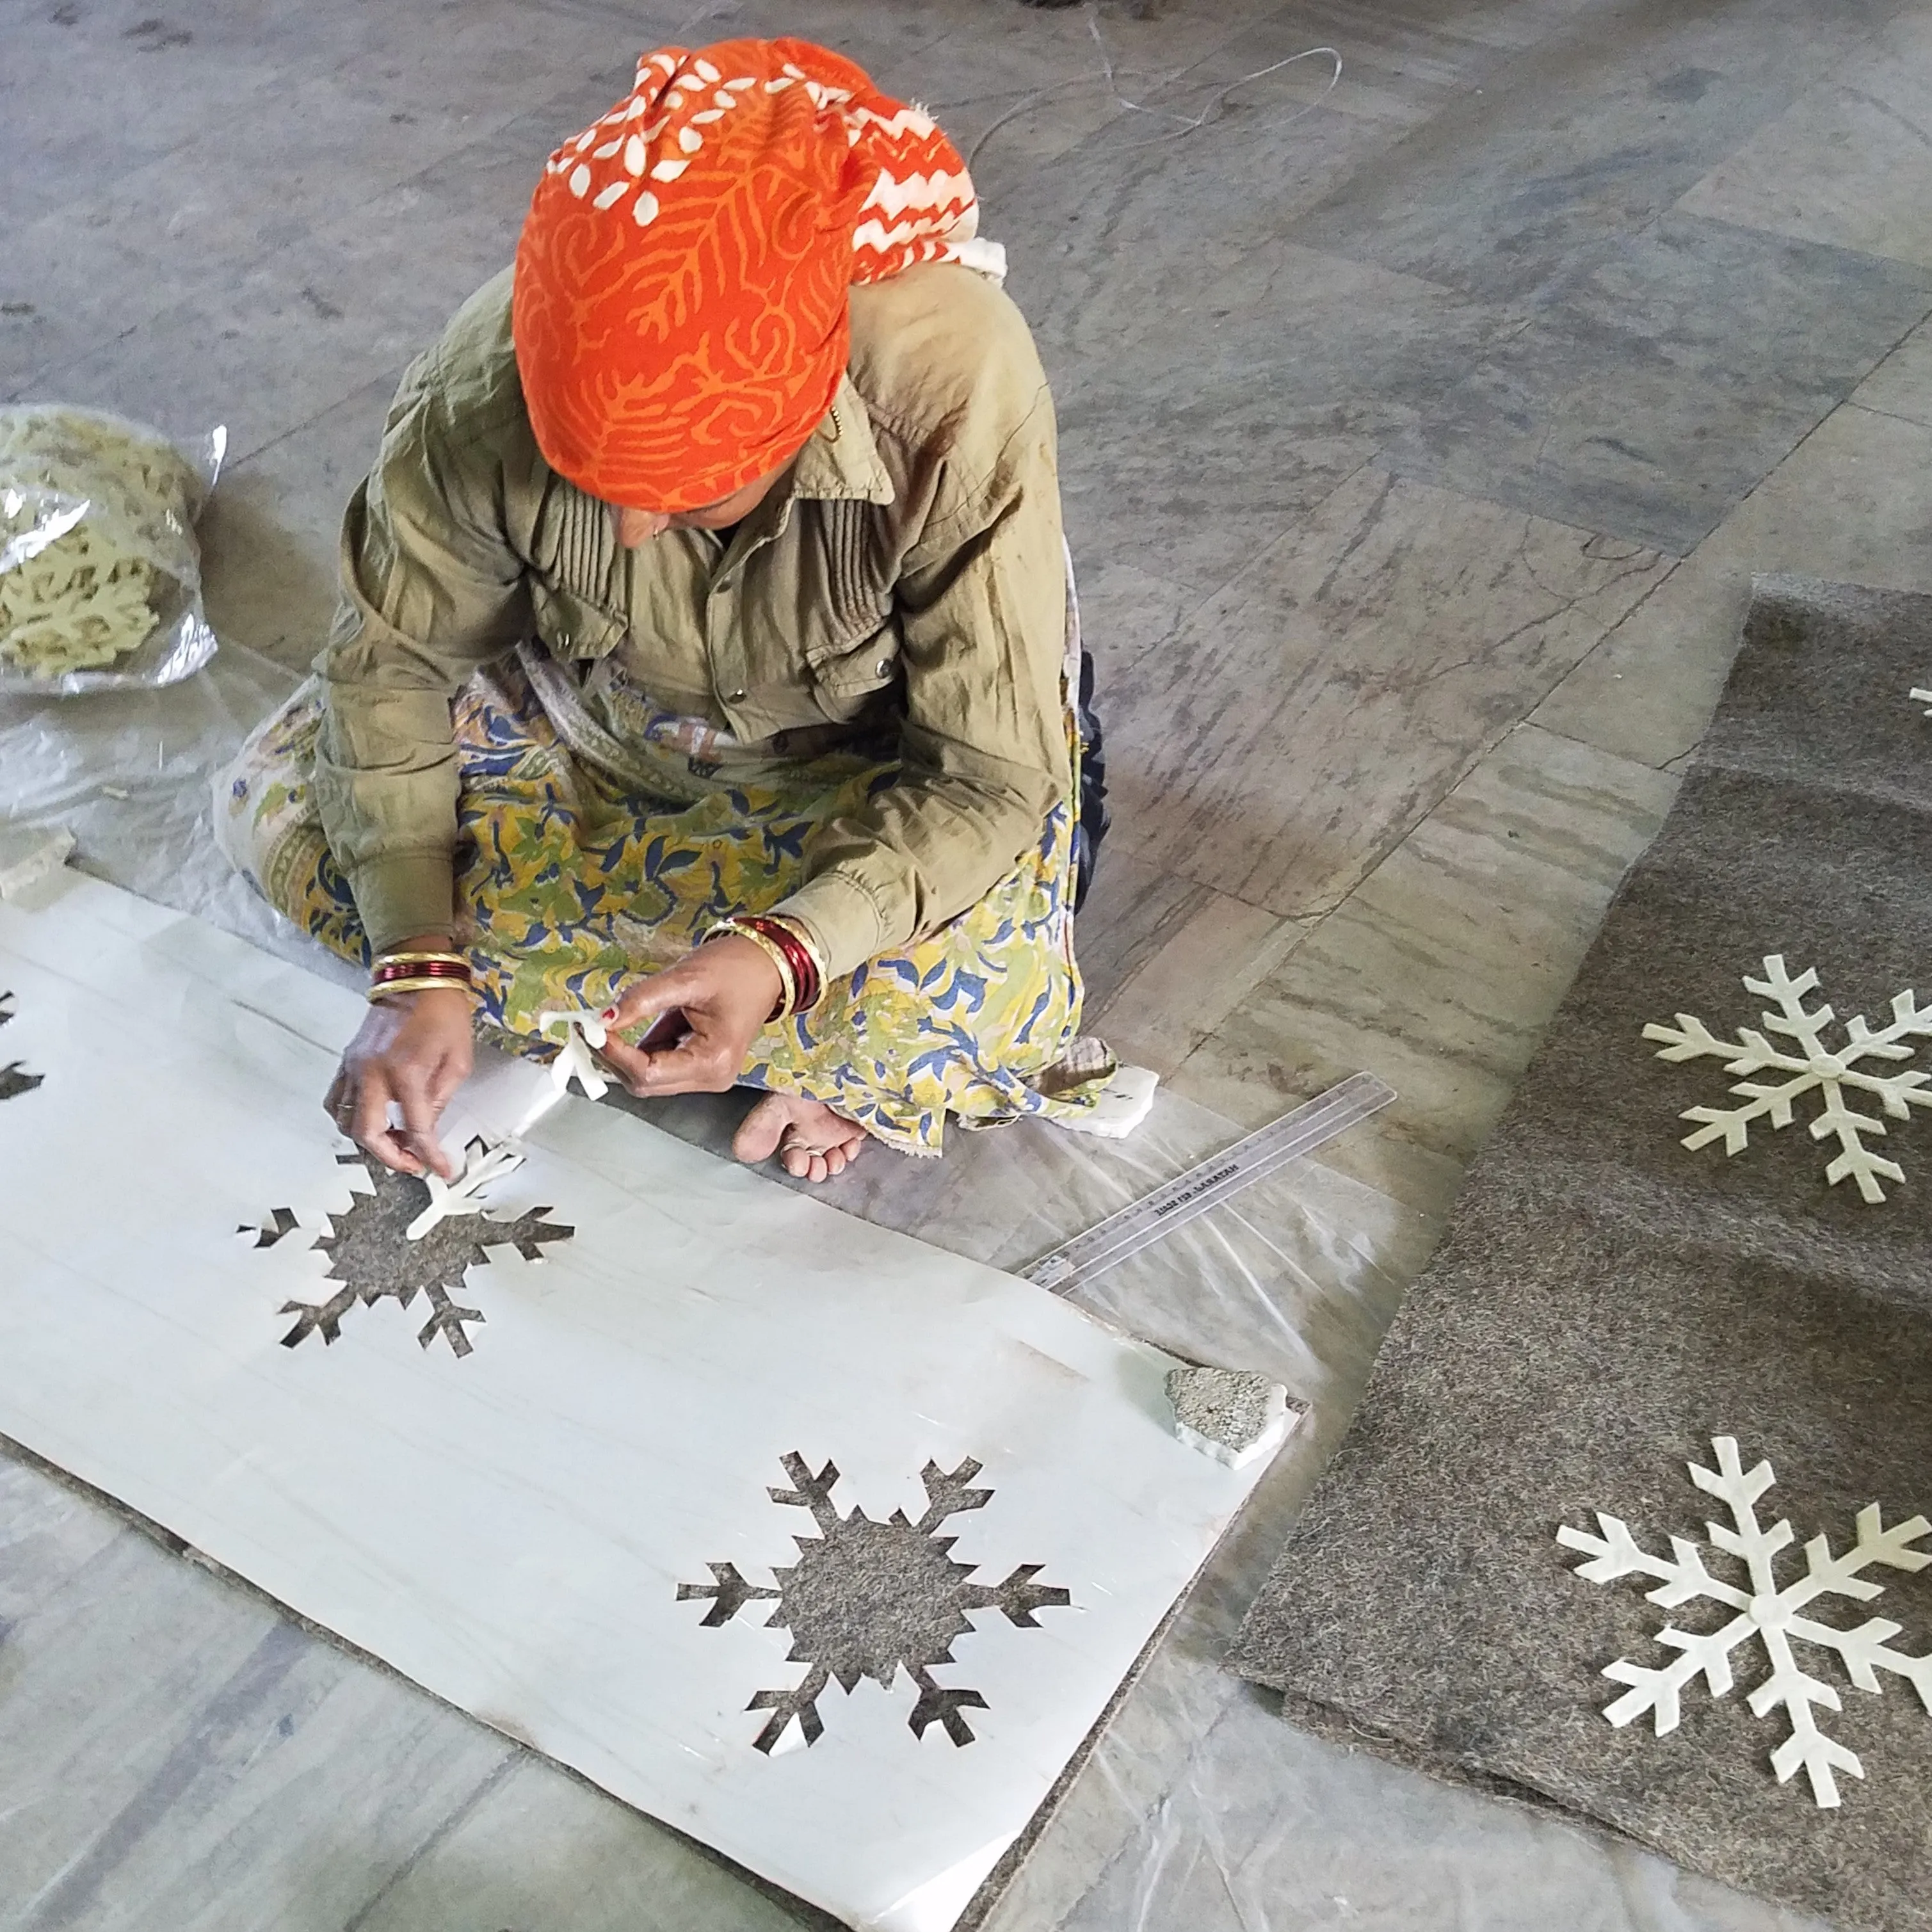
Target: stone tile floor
{"points": [[1420, 438]]}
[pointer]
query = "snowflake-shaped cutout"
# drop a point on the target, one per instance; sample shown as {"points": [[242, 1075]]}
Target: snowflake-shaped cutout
{"points": [[401, 1237], [14, 1082], [868, 1599], [1767, 1613], [1809, 1065]]}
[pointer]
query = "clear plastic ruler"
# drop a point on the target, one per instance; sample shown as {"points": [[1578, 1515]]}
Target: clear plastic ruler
{"points": [[1130, 1229]]}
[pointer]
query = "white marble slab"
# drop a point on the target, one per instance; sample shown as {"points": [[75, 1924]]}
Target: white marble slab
{"points": [[510, 1527]]}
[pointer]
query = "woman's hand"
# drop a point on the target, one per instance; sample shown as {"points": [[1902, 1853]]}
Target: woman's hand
{"points": [[706, 1012], [416, 1049]]}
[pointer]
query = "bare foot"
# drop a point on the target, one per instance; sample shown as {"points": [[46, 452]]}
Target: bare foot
{"points": [[812, 1141]]}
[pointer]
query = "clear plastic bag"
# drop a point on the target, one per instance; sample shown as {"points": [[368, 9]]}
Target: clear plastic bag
{"points": [[100, 571]]}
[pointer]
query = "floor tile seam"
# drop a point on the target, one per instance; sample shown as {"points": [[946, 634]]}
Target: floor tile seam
{"points": [[1488, 745], [65, 215], [1413, 1021], [1497, 81], [61, 218], [1852, 402], [1672, 766], [126, 1535], [1298, 523], [1446, 1130], [1451, 94], [1603, 644], [1872, 410], [1737, 509], [1426, 469], [1198, 594], [1531, 312], [1134, 1825], [438, 1834], [1830, 416], [1314, 922], [1303, 929], [1921, 270], [388, 377]]}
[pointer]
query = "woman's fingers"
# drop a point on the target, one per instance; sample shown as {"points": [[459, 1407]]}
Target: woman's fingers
{"points": [[451, 1073], [371, 1130], [695, 1065], [409, 1056], [420, 1114], [700, 1017]]}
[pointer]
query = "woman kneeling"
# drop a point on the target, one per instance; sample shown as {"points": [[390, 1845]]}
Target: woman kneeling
{"points": [[705, 658]]}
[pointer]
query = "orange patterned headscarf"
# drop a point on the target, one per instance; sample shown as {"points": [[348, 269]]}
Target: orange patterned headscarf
{"points": [[678, 309]]}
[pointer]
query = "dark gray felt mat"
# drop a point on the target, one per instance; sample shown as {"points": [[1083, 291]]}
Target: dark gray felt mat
{"points": [[1607, 1302]]}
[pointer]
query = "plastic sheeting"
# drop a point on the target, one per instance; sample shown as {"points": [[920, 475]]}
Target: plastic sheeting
{"points": [[1199, 1810], [128, 773]]}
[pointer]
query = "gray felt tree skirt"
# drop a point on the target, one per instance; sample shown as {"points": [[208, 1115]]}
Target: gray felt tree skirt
{"points": [[1607, 1302]]}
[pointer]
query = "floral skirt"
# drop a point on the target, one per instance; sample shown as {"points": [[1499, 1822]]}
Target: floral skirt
{"points": [[572, 883]]}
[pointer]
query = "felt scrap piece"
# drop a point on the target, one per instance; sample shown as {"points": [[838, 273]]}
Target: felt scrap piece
{"points": [[1607, 1302], [1234, 1415]]}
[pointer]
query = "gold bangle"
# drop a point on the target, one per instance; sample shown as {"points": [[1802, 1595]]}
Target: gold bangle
{"points": [[796, 928], [424, 986], [417, 959], [788, 998]]}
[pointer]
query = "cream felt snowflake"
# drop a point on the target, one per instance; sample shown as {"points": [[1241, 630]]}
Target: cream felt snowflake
{"points": [[1808, 1064], [1765, 1612]]}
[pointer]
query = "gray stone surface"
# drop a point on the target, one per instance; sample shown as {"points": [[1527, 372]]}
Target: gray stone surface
{"points": [[1236, 324], [1658, 387], [1606, 1302], [1578, 145]]}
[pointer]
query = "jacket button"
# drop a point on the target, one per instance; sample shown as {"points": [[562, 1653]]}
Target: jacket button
{"points": [[734, 696], [885, 665]]}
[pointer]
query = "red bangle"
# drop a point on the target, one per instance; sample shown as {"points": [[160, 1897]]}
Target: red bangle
{"points": [[424, 969], [804, 964]]}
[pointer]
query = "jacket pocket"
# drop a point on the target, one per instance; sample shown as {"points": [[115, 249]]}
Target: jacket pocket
{"points": [[847, 672], [573, 626]]}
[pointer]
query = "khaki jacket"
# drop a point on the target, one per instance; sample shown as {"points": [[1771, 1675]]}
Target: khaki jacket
{"points": [[908, 574]]}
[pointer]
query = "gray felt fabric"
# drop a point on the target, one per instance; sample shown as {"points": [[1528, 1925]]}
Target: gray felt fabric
{"points": [[1606, 1302]]}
